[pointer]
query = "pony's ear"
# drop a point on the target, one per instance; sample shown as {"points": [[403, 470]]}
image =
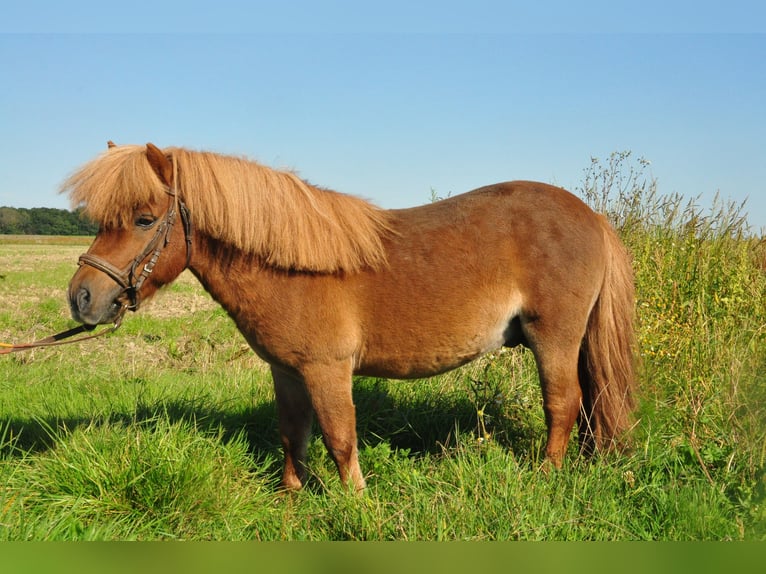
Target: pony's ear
{"points": [[160, 164], [110, 144]]}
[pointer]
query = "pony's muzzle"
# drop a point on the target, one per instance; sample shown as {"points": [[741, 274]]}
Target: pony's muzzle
{"points": [[90, 309]]}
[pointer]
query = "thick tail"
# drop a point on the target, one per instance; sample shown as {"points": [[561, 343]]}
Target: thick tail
{"points": [[607, 365]]}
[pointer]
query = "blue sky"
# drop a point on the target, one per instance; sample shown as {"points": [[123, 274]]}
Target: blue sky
{"points": [[390, 100]]}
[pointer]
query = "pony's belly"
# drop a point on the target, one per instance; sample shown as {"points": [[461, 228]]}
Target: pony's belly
{"points": [[444, 345], [409, 370], [416, 367], [424, 360]]}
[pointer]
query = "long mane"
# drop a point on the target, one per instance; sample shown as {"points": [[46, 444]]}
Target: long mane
{"points": [[272, 214]]}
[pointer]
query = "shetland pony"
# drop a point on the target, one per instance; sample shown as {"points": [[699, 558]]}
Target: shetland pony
{"points": [[324, 286]]}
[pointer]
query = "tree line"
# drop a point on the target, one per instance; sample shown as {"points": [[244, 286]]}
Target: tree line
{"points": [[44, 221]]}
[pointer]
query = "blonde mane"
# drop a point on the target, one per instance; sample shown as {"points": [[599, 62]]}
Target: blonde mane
{"points": [[272, 214]]}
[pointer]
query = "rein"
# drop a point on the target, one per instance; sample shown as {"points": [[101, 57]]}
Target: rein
{"points": [[125, 278]]}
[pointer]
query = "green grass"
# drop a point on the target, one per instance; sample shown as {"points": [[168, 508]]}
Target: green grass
{"points": [[166, 429]]}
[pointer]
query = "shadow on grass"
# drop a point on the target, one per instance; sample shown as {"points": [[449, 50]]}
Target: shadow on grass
{"points": [[422, 425]]}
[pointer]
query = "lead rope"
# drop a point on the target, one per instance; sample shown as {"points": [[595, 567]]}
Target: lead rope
{"points": [[60, 338]]}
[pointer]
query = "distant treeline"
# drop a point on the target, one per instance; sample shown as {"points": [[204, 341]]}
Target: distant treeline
{"points": [[44, 221]]}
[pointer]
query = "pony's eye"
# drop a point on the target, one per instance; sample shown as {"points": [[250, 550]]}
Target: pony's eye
{"points": [[145, 221]]}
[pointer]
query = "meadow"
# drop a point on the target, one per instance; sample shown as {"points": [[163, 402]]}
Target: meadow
{"points": [[166, 429]]}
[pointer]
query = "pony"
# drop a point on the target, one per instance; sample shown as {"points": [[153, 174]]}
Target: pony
{"points": [[325, 286]]}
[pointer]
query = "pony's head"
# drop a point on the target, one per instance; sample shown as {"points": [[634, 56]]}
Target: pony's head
{"points": [[143, 239]]}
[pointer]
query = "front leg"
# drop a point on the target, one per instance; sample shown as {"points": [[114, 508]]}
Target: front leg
{"points": [[295, 416], [329, 387]]}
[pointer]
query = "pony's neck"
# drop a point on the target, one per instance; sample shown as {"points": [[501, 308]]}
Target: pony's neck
{"points": [[224, 271], [251, 292]]}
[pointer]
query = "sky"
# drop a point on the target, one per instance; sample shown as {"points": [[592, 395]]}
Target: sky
{"points": [[392, 100]]}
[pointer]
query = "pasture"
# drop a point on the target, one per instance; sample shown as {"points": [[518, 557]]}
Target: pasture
{"points": [[166, 429]]}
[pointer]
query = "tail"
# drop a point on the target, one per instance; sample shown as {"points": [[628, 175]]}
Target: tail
{"points": [[607, 366]]}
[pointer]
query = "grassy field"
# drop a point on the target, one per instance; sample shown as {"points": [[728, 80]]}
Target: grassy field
{"points": [[166, 429]]}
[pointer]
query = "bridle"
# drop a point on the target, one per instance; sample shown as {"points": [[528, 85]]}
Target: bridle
{"points": [[128, 278]]}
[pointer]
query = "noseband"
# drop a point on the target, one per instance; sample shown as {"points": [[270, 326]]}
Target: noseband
{"points": [[128, 278]]}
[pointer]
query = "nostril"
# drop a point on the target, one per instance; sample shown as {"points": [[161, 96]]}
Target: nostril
{"points": [[83, 299]]}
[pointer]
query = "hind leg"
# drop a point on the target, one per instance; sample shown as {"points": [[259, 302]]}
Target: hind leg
{"points": [[295, 417], [556, 358], [561, 401]]}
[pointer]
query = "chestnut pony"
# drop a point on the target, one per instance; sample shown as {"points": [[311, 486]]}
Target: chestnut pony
{"points": [[324, 286]]}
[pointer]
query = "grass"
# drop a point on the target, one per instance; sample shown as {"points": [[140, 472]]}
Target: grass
{"points": [[166, 429]]}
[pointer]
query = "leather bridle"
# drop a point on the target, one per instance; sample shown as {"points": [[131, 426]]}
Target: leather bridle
{"points": [[129, 278], [126, 278]]}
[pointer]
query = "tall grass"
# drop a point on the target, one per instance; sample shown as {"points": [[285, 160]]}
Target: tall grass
{"points": [[167, 428], [700, 280]]}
